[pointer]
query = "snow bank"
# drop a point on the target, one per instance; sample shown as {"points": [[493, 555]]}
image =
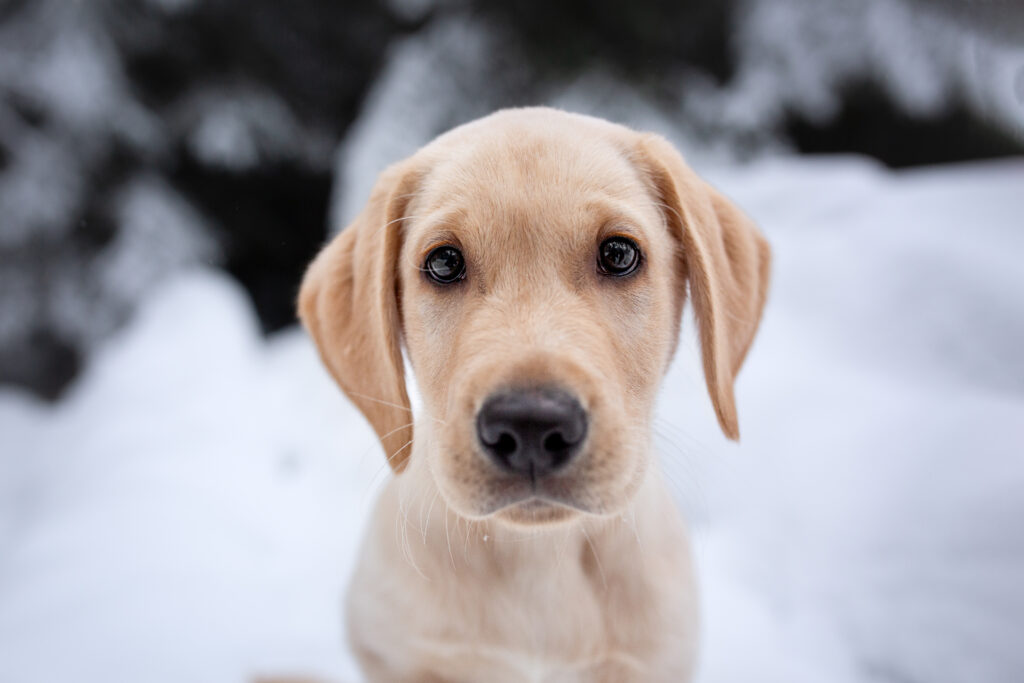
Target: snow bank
{"points": [[191, 511]]}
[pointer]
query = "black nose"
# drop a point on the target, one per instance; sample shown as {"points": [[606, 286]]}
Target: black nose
{"points": [[531, 432]]}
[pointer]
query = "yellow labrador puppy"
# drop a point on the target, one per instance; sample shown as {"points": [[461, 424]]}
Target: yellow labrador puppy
{"points": [[533, 264]]}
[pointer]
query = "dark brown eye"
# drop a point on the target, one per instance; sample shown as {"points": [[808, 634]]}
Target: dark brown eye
{"points": [[445, 265], [618, 256]]}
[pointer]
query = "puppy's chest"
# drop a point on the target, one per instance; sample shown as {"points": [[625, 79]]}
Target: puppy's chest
{"points": [[540, 610], [540, 621]]}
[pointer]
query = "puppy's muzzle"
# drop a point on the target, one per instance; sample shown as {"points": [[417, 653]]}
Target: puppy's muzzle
{"points": [[531, 433]]}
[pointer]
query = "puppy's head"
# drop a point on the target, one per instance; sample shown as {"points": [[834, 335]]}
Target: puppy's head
{"points": [[534, 264]]}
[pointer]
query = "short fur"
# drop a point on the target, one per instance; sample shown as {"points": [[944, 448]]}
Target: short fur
{"points": [[461, 578]]}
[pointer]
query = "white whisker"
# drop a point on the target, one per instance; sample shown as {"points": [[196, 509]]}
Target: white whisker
{"points": [[597, 559]]}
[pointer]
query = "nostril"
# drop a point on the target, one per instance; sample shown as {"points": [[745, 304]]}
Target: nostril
{"points": [[555, 443], [505, 446]]}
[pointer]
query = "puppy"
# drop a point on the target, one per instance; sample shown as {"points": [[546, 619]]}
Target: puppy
{"points": [[533, 265]]}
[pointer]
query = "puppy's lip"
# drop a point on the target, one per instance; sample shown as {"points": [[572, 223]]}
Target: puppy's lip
{"points": [[530, 507], [523, 495], [537, 511], [529, 496], [532, 503]]}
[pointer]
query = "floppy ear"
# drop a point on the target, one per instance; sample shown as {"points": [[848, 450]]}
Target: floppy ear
{"points": [[727, 263], [349, 304]]}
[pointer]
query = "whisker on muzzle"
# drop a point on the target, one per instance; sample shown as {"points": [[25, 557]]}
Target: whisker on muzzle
{"points": [[393, 405]]}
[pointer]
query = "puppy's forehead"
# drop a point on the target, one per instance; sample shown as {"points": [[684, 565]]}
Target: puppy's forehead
{"points": [[520, 171]]}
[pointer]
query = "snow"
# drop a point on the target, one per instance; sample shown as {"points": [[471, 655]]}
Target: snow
{"points": [[798, 55], [433, 80], [73, 136], [182, 515], [241, 127], [191, 510]]}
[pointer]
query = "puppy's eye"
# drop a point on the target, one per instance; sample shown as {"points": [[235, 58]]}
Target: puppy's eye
{"points": [[445, 265], [618, 256]]}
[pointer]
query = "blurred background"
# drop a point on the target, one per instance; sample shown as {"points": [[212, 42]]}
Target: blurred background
{"points": [[181, 489]]}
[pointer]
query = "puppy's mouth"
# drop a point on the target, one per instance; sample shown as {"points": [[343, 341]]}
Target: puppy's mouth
{"points": [[535, 500], [536, 511]]}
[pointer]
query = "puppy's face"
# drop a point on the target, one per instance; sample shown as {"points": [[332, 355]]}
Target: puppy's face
{"points": [[539, 287], [534, 264]]}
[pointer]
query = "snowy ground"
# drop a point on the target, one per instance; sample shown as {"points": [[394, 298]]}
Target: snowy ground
{"points": [[191, 510]]}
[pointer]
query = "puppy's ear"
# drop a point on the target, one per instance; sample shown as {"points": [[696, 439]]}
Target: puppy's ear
{"points": [[727, 263], [349, 303]]}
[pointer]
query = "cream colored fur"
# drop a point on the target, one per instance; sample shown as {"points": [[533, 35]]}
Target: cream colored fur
{"points": [[463, 576]]}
